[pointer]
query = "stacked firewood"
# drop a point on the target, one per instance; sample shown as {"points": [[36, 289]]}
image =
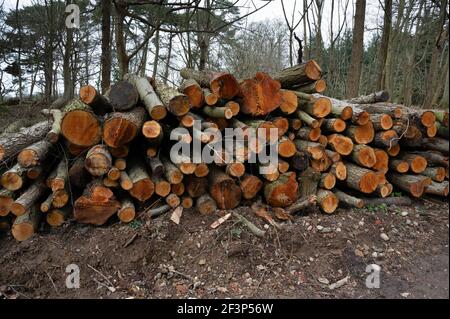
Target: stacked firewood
{"points": [[110, 154]]}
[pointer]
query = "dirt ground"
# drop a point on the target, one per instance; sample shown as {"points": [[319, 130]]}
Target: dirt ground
{"points": [[159, 259]]}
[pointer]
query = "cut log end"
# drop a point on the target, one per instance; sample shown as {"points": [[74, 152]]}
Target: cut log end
{"points": [[327, 200], [142, 190], [225, 86], [428, 119], [81, 128], [88, 94], [151, 129]]}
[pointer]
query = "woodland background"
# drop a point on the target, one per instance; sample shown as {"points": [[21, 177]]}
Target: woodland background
{"points": [[407, 53]]}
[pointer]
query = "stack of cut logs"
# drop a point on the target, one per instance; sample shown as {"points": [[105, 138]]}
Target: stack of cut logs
{"points": [[109, 154]]}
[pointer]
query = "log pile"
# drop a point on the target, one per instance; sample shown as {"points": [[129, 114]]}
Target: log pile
{"points": [[108, 155]]}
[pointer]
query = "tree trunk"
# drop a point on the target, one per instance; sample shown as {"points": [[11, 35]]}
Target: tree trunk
{"points": [[354, 73], [384, 43], [340, 144], [361, 134], [6, 200], [193, 90], [417, 163], [127, 211], [57, 217], [437, 174], [106, 45], [289, 102]]}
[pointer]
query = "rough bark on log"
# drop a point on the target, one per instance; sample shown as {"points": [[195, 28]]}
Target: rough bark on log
{"points": [[318, 86], [386, 139], [96, 205], [399, 166], [210, 98], [282, 192], [125, 181], [301, 204], [300, 74], [348, 199], [53, 135], [80, 126], [29, 197], [381, 121], [334, 125], [308, 182], [393, 110], [120, 128], [35, 154], [361, 179], [177, 103], [219, 112], [438, 189], [327, 181], [300, 161], [148, 96], [309, 134], [433, 157], [437, 174], [413, 184], [380, 96], [171, 171], [123, 96], [58, 178], [11, 144], [315, 150], [307, 119]]}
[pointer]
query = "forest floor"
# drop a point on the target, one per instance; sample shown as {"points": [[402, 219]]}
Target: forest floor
{"points": [[159, 259]]}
